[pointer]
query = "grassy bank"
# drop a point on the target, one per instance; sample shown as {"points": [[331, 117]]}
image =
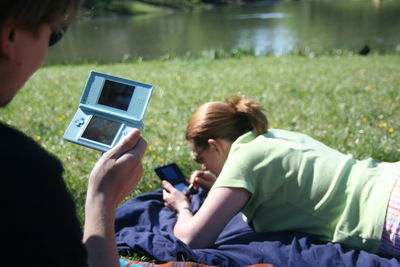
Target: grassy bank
{"points": [[131, 8], [351, 103], [138, 7], [134, 7], [123, 8]]}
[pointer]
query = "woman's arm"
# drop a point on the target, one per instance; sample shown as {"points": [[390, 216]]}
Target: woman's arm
{"points": [[202, 229]]}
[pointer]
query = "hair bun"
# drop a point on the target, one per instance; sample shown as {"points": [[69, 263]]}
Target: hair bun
{"points": [[250, 110], [225, 120]]}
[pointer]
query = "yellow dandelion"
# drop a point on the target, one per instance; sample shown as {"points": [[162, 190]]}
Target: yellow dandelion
{"points": [[38, 138], [365, 120], [149, 148], [153, 156], [275, 125], [160, 160], [382, 124], [61, 118], [60, 132], [151, 121], [390, 130]]}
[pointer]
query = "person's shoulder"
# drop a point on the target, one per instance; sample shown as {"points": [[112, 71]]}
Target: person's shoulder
{"points": [[252, 141], [15, 142], [275, 133], [19, 149], [290, 139], [247, 148], [275, 143]]}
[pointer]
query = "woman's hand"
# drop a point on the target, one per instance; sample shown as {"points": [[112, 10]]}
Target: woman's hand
{"points": [[173, 198], [204, 179]]}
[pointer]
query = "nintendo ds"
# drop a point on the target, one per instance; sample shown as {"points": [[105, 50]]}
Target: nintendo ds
{"points": [[173, 174], [110, 107]]}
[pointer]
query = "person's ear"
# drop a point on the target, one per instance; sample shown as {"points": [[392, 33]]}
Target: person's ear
{"points": [[7, 41], [216, 145]]}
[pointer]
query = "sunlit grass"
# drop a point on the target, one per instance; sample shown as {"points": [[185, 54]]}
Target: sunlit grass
{"points": [[350, 103], [123, 8], [134, 8]]}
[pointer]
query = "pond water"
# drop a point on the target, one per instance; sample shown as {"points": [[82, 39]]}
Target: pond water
{"points": [[276, 27]]}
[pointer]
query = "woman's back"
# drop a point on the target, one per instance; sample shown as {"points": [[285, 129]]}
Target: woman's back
{"points": [[298, 183]]}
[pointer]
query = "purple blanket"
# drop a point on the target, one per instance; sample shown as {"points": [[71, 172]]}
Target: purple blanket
{"points": [[144, 226]]}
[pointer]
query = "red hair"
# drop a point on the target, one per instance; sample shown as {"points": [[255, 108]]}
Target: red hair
{"points": [[226, 120]]}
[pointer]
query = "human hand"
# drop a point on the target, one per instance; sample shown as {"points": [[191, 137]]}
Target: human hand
{"points": [[174, 198], [205, 179], [118, 171], [115, 175]]}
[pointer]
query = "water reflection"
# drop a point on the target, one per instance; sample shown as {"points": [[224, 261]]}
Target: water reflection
{"points": [[262, 16], [277, 39], [278, 27]]}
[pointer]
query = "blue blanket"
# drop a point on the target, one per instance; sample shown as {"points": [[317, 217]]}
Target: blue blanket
{"points": [[144, 226]]}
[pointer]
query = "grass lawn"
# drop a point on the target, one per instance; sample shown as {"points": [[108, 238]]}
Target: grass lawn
{"points": [[350, 103]]}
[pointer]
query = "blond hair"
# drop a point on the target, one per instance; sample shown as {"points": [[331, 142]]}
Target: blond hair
{"points": [[226, 120]]}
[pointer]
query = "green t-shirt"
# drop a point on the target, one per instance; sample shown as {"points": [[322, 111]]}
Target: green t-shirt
{"points": [[300, 184]]}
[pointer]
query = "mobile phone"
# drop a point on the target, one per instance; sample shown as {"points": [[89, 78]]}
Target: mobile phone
{"points": [[173, 174]]}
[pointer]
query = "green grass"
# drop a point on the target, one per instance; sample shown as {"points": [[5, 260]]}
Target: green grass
{"points": [[133, 8], [125, 8], [350, 103]]}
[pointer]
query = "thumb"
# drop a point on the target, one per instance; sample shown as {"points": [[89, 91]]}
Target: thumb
{"points": [[167, 186], [126, 144]]}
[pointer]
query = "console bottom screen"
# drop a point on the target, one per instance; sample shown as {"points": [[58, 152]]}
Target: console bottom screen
{"points": [[101, 130]]}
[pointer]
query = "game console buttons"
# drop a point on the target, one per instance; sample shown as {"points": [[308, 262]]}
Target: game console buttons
{"points": [[79, 122], [126, 131]]}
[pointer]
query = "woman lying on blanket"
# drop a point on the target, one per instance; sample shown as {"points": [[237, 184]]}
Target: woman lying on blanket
{"points": [[283, 180]]}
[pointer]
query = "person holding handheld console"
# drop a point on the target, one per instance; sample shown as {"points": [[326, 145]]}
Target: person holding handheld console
{"points": [[173, 174], [39, 222], [284, 181]]}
